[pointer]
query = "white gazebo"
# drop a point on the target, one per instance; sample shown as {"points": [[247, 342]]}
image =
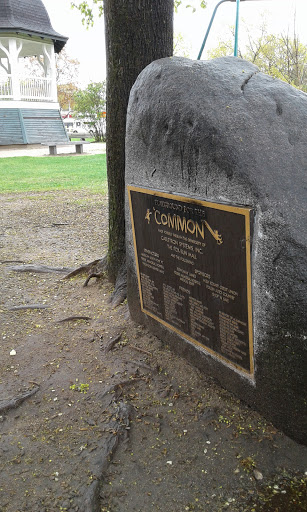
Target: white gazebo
{"points": [[29, 109]]}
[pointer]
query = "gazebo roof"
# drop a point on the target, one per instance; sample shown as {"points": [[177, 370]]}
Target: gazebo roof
{"points": [[29, 17]]}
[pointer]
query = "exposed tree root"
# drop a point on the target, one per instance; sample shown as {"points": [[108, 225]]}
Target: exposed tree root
{"points": [[123, 413], [94, 274], [140, 350], [112, 343], [119, 385], [81, 270], [141, 365], [28, 306], [11, 261], [73, 318], [120, 290], [12, 403], [118, 428], [96, 268], [38, 269]]}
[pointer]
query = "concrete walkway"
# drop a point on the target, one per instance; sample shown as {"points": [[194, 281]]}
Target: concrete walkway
{"points": [[94, 148]]}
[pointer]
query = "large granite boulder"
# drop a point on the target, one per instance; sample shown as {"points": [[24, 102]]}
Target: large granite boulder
{"points": [[224, 132]]}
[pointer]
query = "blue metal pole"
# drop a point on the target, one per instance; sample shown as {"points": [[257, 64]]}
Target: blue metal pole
{"points": [[237, 30], [209, 27]]}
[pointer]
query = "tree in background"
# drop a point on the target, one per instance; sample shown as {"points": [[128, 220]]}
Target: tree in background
{"points": [[89, 12], [67, 73], [66, 94], [67, 68], [181, 48], [90, 104], [278, 55]]}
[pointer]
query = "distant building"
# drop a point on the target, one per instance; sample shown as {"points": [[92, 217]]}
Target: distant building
{"points": [[29, 109]]}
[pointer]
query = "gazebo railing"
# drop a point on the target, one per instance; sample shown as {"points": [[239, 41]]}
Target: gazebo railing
{"points": [[30, 89], [6, 87], [35, 88]]}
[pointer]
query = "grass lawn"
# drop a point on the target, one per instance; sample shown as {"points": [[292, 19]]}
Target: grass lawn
{"points": [[88, 139], [29, 174]]}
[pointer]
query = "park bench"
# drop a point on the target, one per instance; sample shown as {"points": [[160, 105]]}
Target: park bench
{"points": [[78, 145]]}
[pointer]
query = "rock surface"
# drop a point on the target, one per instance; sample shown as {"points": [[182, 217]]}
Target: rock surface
{"points": [[225, 132]]}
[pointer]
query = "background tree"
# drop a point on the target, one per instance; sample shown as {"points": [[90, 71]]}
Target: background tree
{"points": [[67, 74], [66, 94], [181, 48], [278, 55], [93, 8], [89, 106], [67, 68]]}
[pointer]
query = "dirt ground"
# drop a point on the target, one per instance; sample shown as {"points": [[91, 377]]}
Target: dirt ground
{"points": [[113, 420]]}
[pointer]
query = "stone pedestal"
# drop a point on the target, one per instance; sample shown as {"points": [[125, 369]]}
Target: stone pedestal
{"points": [[222, 146]]}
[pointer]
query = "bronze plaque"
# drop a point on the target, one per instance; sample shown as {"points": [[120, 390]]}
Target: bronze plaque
{"points": [[194, 271]]}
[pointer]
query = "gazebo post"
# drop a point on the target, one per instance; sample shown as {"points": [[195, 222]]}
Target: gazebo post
{"points": [[51, 70], [13, 63]]}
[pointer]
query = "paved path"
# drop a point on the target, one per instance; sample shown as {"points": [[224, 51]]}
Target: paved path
{"points": [[38, 150]]}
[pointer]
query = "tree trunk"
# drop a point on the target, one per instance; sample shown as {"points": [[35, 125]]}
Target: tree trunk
{"points": [[137, 32]]}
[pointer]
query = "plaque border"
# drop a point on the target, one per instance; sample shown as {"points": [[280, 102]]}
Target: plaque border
{"points": [[240, 210]]}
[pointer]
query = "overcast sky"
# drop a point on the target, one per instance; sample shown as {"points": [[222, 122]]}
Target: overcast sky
{"points": [[88, 45]]}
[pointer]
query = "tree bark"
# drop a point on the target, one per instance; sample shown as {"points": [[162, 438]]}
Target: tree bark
{"points": [[137, 32]]}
